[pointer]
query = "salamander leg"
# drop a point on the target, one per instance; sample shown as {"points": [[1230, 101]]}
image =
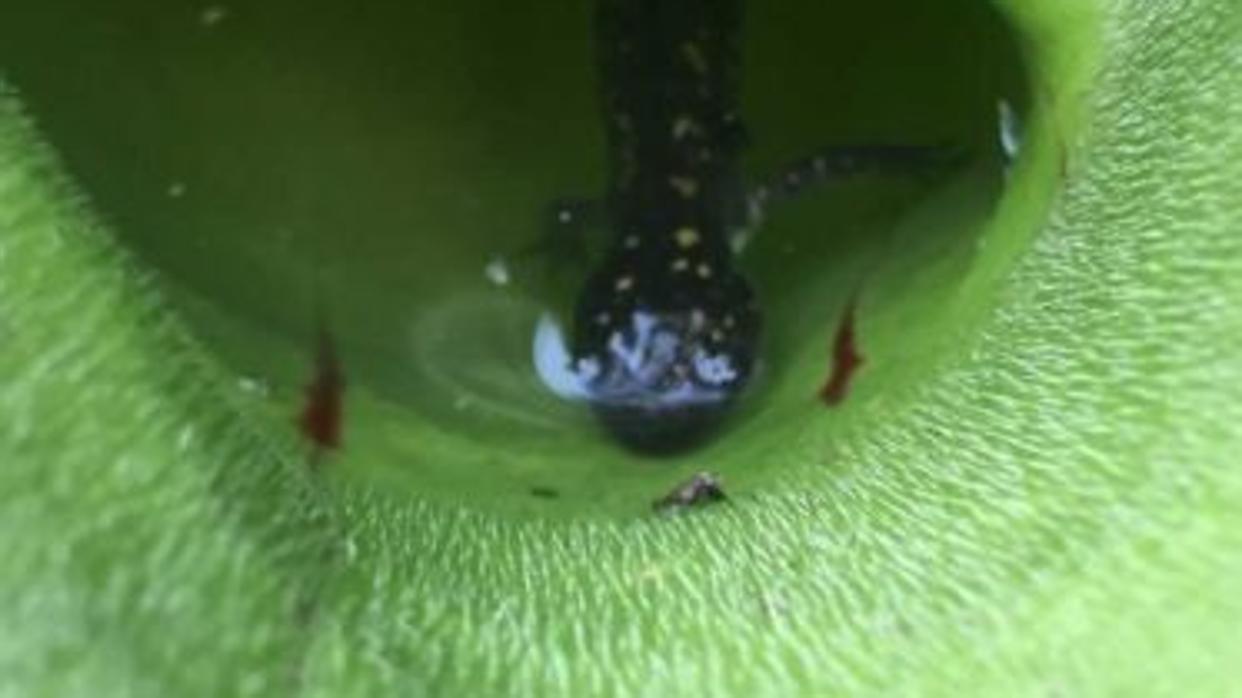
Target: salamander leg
{"points": [[839, 162]]}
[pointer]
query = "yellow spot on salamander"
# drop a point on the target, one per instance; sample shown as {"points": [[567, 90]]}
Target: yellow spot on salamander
{"points": [[624, 283], [688, 187], [686, 237], [681, 264], [704, 270]]}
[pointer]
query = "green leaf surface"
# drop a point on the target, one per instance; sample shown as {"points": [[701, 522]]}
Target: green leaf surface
{"points": [[1033, 490]]}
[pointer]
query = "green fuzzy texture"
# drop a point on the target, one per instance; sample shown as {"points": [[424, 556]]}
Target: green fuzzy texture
{"points": [[159, 538], [1046, 499]]}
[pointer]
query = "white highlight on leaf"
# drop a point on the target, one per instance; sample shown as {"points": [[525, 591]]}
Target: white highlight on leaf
{"points": [[212, 15], [1009, 128], [253, 386], [497, 272]]}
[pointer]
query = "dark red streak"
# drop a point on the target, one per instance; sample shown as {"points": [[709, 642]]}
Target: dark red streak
{"points": [[321, 417], [845, 360]]}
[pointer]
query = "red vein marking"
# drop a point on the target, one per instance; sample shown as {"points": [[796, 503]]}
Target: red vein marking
{"points": [[845, 360], [322, 415]]}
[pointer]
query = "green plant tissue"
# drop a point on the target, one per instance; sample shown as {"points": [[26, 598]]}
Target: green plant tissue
{"points": [[1053, 506]]}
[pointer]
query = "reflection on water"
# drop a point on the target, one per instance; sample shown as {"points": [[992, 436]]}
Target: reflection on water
{"points": [[658, 385], [468, 367]]}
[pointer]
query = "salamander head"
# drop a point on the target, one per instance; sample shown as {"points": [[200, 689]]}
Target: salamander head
{"points": [[664, 362]]}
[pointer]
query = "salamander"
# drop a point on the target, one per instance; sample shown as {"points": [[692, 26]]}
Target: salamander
{"points": [[666, 330], [665, 326]]}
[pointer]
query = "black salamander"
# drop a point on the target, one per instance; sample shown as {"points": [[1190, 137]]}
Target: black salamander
{"points": [[666, 331]]}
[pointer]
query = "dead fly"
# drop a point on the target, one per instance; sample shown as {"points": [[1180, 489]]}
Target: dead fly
{"points": [[701, 489]]}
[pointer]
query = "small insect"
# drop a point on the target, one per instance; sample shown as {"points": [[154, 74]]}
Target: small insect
{"points": [[322, 413], [702, 488], [666, 329], [845, 359]]}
